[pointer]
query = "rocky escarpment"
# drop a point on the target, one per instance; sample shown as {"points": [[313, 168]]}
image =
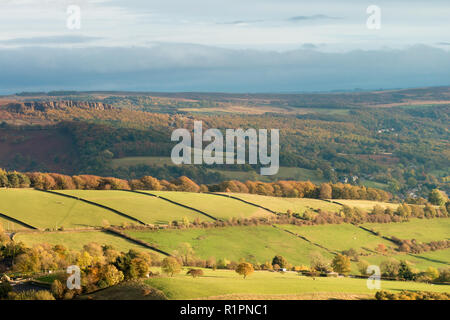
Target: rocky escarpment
{"points": [[43, 106]]}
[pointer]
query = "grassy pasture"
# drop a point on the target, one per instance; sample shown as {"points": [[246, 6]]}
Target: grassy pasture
{"points": [[148, 209], [339, 237], [296, 205], [45, 210], [76, 240], [9, 225], [273, 285], [254, 244], [424, 230], [437, 259], [216, 206], [366, 205]]}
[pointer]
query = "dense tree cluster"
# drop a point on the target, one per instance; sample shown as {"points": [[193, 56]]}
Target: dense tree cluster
{"points": [[294, 189]]}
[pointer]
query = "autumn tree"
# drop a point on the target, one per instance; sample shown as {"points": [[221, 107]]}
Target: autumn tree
{"points": [[436, 197], [245, 269], [341, 264], [280, 261], [325, 191], [170, 266]]}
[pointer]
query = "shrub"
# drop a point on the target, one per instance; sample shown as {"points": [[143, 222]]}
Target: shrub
{"points": [[195, 272]]}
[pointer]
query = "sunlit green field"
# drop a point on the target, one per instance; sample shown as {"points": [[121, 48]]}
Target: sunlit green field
{"points": [[366, 205], [272, 285], [296, 205], [44, 210], [214, 205], [438, 259], [254, 244], [76, 240], [9, 225], [424, 230], [339, 237], [150, 210]]}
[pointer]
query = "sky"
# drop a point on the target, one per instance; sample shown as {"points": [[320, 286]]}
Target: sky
{"points": [[233, 45]]}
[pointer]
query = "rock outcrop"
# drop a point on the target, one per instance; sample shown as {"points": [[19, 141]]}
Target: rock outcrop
{"points": [[43, 106]]}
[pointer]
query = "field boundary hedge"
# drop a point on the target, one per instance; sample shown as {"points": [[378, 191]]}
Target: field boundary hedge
{"points": [[94, 204]]}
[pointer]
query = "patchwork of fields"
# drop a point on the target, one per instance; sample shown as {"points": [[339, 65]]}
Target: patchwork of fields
{"points": [[79, 209], [150, 210], [215, 205], [282, 205], [44, 210]]}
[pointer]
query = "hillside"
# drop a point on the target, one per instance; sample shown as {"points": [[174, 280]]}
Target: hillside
{"points": [[395, 140]]}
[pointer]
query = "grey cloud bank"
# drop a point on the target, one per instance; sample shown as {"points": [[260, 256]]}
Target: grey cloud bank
{"points": [[183, 67]]}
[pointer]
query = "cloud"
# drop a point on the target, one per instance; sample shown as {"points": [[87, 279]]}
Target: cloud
{"points": [[443, 43], [185, 67], [310, 46], [242, 22], [312, 18], [49, 40]]}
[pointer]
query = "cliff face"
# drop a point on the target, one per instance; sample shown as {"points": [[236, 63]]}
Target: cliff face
{"points": [[43, 106]]}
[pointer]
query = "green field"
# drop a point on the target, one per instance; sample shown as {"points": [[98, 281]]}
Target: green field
{"points": [[339, 237], [273, 285], [254, 244], [214, 205], [282, 205], [424, 230], [76, 240], [150, 210], [44, 210], [437, 259], [366, 205], [8, 225]]}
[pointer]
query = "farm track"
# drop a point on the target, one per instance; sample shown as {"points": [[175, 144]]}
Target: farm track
{"points": [[175, 203], [95, 204], [23, 224]]}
